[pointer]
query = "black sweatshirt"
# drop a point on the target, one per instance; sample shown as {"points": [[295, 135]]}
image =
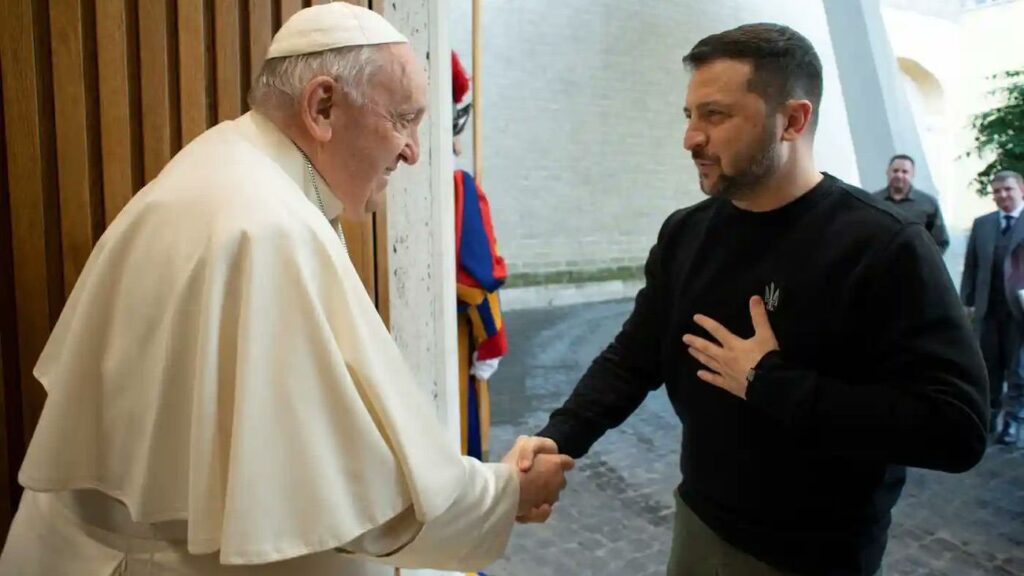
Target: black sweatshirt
{"points": [[877, 370]]}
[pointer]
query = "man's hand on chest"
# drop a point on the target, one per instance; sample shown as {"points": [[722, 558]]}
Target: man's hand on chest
{"points": [[729, 361]]}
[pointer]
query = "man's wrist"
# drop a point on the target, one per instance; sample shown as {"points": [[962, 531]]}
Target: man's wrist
{"points": [[772, 359]]}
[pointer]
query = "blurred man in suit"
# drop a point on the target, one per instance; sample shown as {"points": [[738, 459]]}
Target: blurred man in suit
{"points": [[993, 277]]}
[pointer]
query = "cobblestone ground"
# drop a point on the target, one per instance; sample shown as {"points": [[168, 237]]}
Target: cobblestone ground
{"points": [[616, 516]]}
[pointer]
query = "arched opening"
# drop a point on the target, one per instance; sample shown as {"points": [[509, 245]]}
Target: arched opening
{"points": [[928, 104]]}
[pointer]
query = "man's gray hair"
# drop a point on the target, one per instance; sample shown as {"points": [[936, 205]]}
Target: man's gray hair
{"points": [[1007, 175], [281, 80]]}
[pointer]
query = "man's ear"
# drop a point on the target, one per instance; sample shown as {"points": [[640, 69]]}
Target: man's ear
{"points": [[797, 116], [316, 106]]}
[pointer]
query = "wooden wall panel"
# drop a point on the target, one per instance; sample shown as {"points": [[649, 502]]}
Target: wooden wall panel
{"points": [[194, 68], [380, 264], [120, 115], [289, 7], [158, 65], [32, 186], [12, 444], [360, 241], [261, 29], [73, 49], [228, 43]]}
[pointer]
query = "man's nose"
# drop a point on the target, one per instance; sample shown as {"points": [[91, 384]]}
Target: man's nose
{"points": [[411, 152], [694, 139]]}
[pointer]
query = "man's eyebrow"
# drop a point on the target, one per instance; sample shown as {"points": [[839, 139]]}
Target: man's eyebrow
{"points": [[705, 105], [713, 104]]}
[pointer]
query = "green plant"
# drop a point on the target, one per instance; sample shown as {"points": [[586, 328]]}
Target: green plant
{"points": [[999, 132]]}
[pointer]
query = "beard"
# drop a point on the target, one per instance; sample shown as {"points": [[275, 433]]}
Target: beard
{"points": [[899, 185], [756, 166]]}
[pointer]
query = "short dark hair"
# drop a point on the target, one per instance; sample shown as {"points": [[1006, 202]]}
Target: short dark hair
{"points": [[1008, 175], [785, 65], [902, 157]]}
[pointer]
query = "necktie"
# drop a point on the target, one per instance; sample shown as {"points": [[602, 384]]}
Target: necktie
{"points": [[1007, 224]]}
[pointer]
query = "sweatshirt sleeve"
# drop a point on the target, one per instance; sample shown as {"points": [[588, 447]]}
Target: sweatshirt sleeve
{"points": [[623, 374], [922, 400], [937, 228]]}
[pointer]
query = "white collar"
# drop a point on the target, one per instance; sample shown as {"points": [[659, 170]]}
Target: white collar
{"points": [[287, 155]]}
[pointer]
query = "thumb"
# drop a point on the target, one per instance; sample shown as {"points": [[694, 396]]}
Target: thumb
{"points": [[759, 316], [525, 461], [567, 463], [531, 447]]}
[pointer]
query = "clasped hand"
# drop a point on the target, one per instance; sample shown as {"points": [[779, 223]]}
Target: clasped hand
{"points": [[541, 476]]}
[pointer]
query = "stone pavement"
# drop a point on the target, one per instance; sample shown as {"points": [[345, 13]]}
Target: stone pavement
{"points": [[616, 516]]}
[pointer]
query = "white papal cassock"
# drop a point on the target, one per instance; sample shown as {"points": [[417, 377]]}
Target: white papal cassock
{"points": [[224, 398]]}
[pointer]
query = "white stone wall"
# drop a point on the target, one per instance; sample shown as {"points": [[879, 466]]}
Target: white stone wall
{"points": [[583, 121]]}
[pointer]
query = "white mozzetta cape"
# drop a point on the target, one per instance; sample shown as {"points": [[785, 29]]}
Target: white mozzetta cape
{"points": [[220, 362]]}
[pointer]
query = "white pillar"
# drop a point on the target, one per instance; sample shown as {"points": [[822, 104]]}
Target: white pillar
{"points": [[421, 227], [881, 120], [421, 222]]}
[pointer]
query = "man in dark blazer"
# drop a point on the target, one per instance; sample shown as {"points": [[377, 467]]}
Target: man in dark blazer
{"points": [[991, 291]]}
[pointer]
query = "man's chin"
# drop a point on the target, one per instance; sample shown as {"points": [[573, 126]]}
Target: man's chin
{"points": [[707, 185], [725, 188], [711, 187], [375, 202]]}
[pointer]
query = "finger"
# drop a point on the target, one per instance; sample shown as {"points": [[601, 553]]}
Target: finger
{"points": [[759, 316], [528, 447], [524, 460], [707, 347], [542, 514], [705, 359], [550, 467], [567, 463], [537, 515], [711, 378], [720, 332], [553, 469]]}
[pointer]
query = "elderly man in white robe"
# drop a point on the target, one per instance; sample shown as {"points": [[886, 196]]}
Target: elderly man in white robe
{"points": [[223, 397]]}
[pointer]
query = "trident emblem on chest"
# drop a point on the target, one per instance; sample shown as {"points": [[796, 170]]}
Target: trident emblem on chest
{"points": [[771, 297]]}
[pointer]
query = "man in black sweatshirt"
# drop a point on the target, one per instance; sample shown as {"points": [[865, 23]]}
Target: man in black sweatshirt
{"points": [[809, 337]]}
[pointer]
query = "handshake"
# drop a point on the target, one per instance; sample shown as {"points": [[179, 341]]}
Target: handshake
{"points": [[541, 476]]}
